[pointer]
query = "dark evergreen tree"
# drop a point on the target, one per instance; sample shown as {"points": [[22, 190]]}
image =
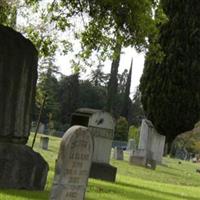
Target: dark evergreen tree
{"points": [[92, 96], [171, 89], [68, 97], [112, 84], [122, 80], [136, 113], [47, 85], [126, 101]]}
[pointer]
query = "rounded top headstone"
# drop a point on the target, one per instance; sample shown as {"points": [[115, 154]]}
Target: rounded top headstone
{"points": [[102, 119]]}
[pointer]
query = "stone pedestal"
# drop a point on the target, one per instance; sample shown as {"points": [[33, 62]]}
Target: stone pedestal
{"points": [[21, 167], [138, 157], [103, 171], [44, 142]]}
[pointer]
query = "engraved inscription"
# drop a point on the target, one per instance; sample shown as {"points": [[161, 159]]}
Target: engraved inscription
{"points": [[74, 163], [102, 132]]}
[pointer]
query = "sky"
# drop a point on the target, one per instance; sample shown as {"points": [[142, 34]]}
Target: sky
{"points": [[128, 54], [63, 62]]}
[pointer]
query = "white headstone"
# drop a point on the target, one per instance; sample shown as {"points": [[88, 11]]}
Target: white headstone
{"points": [[152, 142], [101, 126], [73, 165], [131, 145]]}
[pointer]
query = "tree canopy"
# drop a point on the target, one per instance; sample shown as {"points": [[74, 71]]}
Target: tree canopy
{"points": [[171, 89]]}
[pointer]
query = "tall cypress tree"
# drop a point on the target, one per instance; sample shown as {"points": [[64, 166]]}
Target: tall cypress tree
{"points": [[171, 89], [112, 84], [126, 101]]}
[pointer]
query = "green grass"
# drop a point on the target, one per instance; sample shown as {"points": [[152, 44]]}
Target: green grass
{"points": [[171, 181]]}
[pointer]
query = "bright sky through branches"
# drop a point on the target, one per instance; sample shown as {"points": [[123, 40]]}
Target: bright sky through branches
{"points": [[138, 63]]}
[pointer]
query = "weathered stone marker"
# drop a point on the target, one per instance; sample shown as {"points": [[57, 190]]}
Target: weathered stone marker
{"points": [[101, 126], [20, 166], [73, 165], [44, 142], [118, 153], [151, 146], [131, 145]]}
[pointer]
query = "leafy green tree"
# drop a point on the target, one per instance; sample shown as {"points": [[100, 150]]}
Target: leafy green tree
{"points": [[133, 133], [171, 89], [98, 77], [121, 129], [92, 96], [68, 93], [8, 13], [48, 85]]}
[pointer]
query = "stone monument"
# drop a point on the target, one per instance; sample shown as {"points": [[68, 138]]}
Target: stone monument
{"points": [[20, 166], [131, 145], [44, 142], [73, 165], [118, 153], [101, 126], [151, 145]]}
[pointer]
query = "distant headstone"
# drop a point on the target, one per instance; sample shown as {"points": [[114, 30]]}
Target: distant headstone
{"points": [[182, 153], [73, 165], [44, 142], [118, 153], [41, 128], [138, 157], [151, 141], [131, 145], [20, 166], [151, 146]]}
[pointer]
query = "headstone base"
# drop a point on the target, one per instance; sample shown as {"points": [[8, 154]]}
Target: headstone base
{"points": [[103, 171], [137, 160], [21, 168]]}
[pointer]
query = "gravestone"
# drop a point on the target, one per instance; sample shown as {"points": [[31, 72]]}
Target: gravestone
{"points": [[73, 165], [118, 153], [20, 166], [101, 126], [137, 157], [131, 145], [151, 144], [41, 128], [44, 142], [181, 153]]}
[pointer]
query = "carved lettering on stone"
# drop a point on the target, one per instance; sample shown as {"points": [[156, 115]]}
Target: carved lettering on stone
{"points": [[73, 165]]}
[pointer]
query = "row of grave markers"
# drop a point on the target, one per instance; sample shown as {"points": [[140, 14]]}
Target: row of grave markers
{"points": [[81, 147]]}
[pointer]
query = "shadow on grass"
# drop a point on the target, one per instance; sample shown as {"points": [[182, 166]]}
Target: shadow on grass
{"points": [[169, 194], [36, 195], [170, 173], [115, 191]]}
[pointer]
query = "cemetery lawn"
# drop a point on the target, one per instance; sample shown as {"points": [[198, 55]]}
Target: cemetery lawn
{"points": [[171, 181]]}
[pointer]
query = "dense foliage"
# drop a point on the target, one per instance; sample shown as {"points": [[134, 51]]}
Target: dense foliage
{"points": [[121, 129], [67, 93], [171, 89]]}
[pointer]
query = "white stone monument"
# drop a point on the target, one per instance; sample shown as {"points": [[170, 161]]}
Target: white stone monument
{"points": [[101, 126], [73, 165], [151, 143]]}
